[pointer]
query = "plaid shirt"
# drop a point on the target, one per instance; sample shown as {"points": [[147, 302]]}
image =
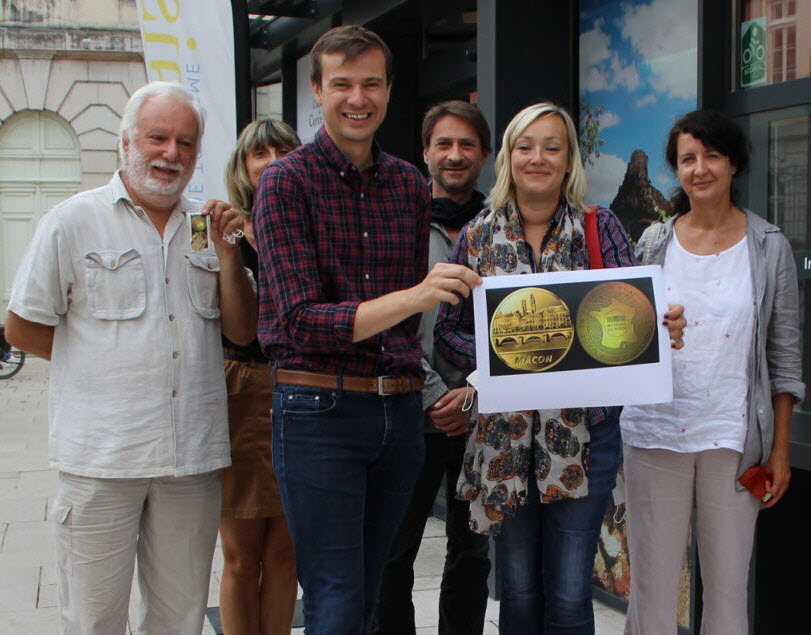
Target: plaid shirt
{"points": [[330, 237], [454, 330]]}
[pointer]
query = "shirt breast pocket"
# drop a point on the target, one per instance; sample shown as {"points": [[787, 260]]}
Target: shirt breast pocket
{"points": [[116, 286], [202, 272]]}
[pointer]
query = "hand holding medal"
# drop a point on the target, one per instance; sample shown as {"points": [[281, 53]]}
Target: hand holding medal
{"points": [[226, 225]]}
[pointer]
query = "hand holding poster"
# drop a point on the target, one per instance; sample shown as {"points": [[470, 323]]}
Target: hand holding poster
{"points": [[572, 339]]}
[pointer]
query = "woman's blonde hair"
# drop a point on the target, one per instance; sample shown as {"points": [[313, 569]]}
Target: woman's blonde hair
{"points": [[256, 135], [574, 183]]}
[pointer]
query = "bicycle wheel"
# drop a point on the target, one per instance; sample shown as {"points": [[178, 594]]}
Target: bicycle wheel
{"points": [[11, 363]]}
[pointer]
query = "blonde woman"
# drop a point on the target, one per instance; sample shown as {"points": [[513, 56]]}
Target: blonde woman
{"points": [[258, 587], [538, 480]]}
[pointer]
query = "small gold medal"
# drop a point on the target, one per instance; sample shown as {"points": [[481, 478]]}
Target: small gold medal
{"points": [[200, 230], [531, 329], [615, 322]]}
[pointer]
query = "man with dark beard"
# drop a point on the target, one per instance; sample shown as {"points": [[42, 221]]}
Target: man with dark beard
{"points": [[456, 143], [130, 311]]}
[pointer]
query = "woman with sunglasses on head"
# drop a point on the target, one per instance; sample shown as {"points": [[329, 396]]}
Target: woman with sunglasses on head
{"points": [[258, 587], [734, 382]]}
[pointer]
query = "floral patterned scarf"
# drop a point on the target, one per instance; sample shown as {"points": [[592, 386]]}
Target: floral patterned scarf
{"points": [[502, 446]]}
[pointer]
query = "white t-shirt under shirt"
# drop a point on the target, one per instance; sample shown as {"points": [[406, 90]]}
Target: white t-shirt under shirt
{"points": [[708, 410]]}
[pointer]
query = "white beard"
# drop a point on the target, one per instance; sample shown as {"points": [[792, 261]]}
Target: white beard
{"points": [[148, 187]]}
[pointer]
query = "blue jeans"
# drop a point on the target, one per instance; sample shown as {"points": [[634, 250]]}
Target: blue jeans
{"points": [[463, 591], [346, 463], [545, 555]]}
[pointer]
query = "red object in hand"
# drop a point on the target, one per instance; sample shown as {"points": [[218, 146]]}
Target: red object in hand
{"points": [[754, 479]]}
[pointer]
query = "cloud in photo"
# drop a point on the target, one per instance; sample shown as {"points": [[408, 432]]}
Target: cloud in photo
{"points": [[605, 178], [601, 68], [660, 28], [608, 119], [592, 79], [675, 75], [665, 179], [664, 34], [594, 45], [608, 75], [650, 98], [624, 74]]}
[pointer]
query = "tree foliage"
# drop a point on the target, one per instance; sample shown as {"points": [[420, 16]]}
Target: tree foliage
{"points": [[590, 141]]}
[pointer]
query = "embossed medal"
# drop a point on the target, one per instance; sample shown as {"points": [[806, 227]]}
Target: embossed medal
{"points": [[200, 230], [531, 329], [615, 322]]}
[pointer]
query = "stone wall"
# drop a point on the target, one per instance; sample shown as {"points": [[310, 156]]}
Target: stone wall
{"points": [[80, 59], [69, 13]]}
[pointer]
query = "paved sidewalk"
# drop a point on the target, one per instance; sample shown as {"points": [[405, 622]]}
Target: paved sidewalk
{"points": [[27, 487]]}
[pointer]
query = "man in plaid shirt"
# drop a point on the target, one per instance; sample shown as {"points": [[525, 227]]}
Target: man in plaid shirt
{"points": [[342, 231]]}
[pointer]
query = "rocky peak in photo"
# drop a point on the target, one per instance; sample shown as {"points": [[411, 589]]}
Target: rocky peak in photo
{"points": [[638, 203]]}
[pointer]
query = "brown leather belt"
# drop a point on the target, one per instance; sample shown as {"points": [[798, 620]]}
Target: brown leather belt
{"points": [[383, 385]]}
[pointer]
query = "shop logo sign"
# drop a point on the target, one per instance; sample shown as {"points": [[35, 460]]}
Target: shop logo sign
{"points": [[753, 52]]}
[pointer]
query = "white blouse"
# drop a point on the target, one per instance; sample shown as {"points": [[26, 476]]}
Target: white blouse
{"points": [[708, 410]]}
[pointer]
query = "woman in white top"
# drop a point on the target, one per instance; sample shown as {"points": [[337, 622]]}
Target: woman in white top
{"points": [[735, 382]]}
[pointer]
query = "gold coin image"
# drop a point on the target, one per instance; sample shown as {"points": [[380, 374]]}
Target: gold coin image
{"points": [[531, 329], [198, 223], [199, 241], [615, 322]]}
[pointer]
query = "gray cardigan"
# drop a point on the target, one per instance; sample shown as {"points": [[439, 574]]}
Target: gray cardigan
{"points": [[440, 374], [774, 359]]}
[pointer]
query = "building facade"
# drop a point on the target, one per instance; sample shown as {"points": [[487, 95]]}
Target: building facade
{"points": [[68, 69]]}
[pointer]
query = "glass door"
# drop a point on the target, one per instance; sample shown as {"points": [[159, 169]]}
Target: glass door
{"points": [[777, 187]]}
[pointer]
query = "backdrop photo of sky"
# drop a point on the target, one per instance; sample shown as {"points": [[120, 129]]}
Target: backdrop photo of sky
{"points": [[638, 74]]}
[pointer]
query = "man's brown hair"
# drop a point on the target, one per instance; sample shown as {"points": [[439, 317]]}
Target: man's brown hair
{"points": [[351, 40], [466, 112]]}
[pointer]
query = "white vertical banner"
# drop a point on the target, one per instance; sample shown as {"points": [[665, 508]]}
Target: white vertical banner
{"points": [[309, 116], [192, 42]]}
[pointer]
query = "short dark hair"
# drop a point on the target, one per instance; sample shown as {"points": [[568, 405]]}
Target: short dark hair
{"points": [[353, 41], [715, 130], [465, 111]]}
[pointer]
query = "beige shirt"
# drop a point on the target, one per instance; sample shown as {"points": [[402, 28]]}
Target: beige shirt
{"points": [[137, 387]]}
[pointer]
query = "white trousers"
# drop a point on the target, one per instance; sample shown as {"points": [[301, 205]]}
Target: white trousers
{"points": [[662, 487], [100, 526]]}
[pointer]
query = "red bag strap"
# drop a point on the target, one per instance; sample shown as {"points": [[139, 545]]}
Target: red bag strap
{"points": [[593, 239]]}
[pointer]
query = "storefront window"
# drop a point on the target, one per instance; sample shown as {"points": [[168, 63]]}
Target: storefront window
{"points": [[789, 143], [774, 41]]}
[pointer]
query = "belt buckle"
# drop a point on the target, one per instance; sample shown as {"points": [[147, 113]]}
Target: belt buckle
{"points": [[380, 380]]}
